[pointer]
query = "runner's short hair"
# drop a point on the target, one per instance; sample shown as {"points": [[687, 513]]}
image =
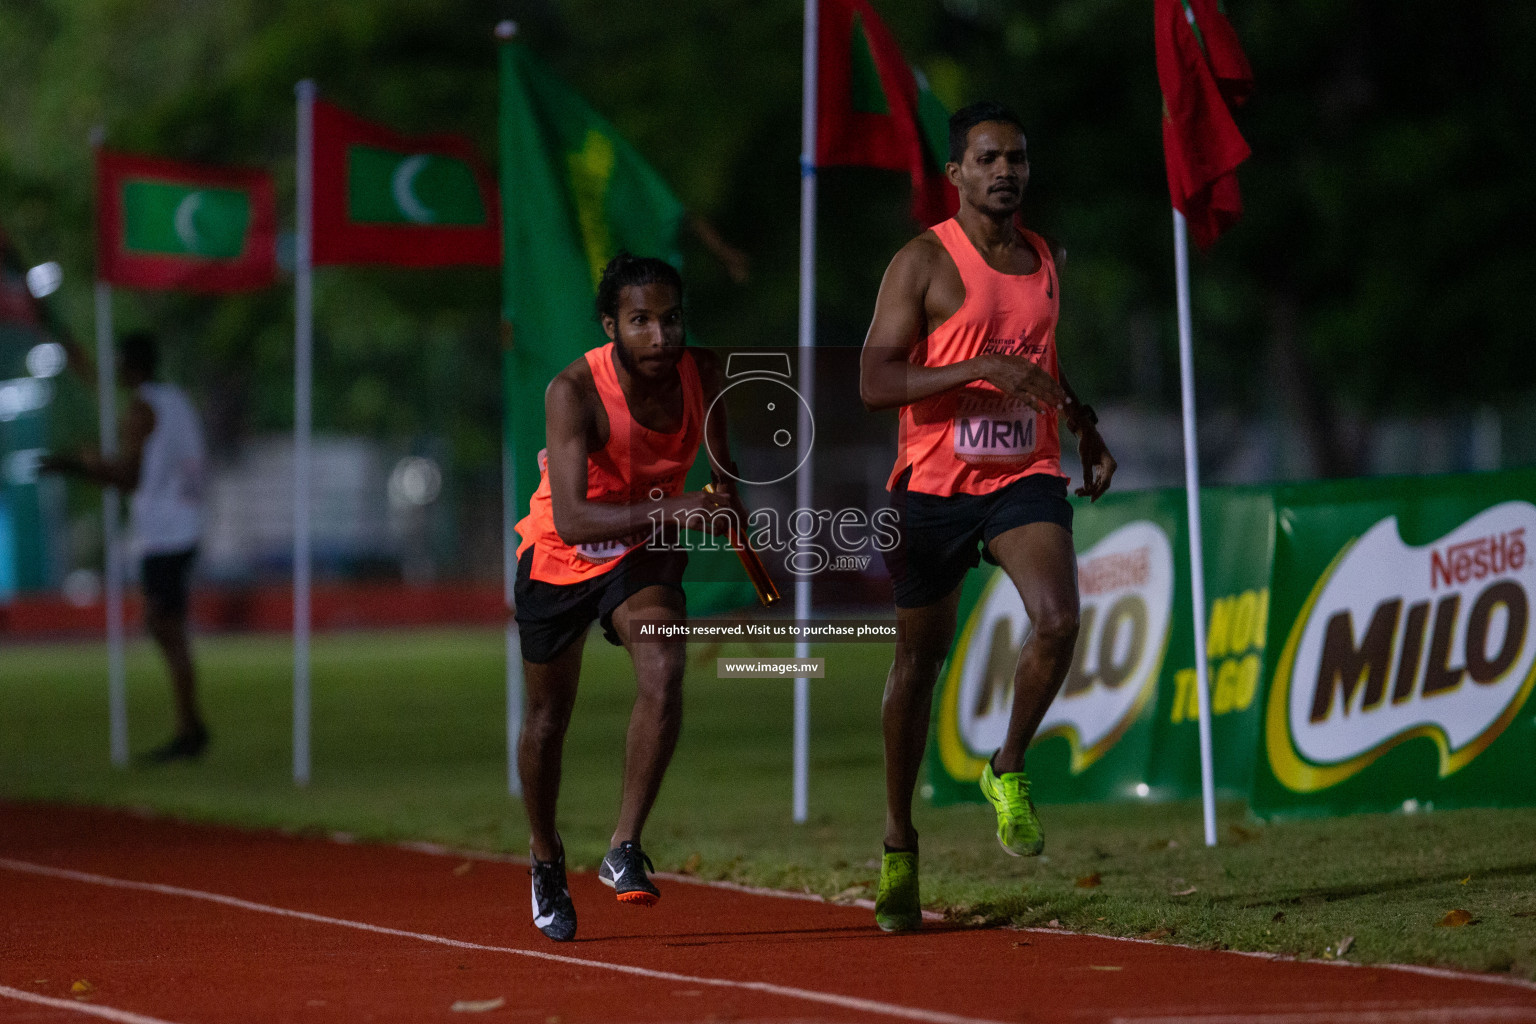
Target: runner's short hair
{"points": [[140, 351], [963, 120], [626, 270]]}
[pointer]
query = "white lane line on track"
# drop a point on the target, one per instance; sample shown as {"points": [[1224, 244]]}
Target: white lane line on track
{"points": [[1427, 1015], [1446, 973], [121, 1016], [769, 988]]}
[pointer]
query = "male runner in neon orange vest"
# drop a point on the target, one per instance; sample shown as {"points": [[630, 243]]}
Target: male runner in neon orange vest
{"points": [[623, 425], [964, 342]]}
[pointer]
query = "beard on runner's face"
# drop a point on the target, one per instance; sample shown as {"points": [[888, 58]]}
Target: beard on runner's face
{"points": [[644, 312], [996, 166]]}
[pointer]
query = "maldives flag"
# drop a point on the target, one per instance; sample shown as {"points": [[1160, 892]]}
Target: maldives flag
{"points": [[1204, 75], [381, 197], [162, 224], [873, 111]]}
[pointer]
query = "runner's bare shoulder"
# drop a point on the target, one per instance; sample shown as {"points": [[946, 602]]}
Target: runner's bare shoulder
{"points": [[915, 267], [1057, 250], [711, 372], [573, 393]]}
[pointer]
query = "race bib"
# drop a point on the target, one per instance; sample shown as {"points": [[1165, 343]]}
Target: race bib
{"points": [[994, 430], [605, 550]]}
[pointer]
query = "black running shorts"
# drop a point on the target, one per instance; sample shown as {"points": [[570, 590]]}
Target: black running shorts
{"points": [[552, 615], [165, 579], [942, 538]]}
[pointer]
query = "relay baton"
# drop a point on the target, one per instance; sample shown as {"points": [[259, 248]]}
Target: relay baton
{"points": [[767, 592]]}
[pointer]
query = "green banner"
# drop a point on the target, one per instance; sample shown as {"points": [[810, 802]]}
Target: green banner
{"points": [[1124, 725], [1370, 645], [1405, 656]]}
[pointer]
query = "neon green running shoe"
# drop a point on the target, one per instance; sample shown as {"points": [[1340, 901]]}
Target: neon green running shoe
{"points": [[1018, 830], [897, 906]]}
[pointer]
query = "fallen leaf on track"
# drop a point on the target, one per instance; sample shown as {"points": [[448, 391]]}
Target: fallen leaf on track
{"points": [[478, 1005], [1105, 967], [1092, 881], [1185, 892], [1155, 934], [464, 869], [1017, 944], [82, 987], [1455, 919]]}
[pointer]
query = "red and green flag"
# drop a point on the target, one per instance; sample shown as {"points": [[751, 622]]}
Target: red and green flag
{"points": [[1204, 75], [163, 224], [382, 197], [872, 110]]}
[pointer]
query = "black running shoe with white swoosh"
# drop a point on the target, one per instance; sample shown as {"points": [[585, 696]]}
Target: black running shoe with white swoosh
{"points": [[553, 912], [623, 871]]}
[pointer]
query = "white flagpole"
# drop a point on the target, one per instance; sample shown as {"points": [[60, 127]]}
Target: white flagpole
{"points": [[1196, 552], [804, 428], [303, 373], [111, 513], [505, 31], [514, 642]]}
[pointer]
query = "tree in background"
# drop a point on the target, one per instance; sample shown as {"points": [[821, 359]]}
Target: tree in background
{"points": [[1373, 271]]}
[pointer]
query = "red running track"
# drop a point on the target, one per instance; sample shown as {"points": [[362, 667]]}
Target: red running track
{"points": [[191, 924]]}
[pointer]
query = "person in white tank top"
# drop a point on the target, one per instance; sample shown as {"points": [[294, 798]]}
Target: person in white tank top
{"points": [[161, 467]]}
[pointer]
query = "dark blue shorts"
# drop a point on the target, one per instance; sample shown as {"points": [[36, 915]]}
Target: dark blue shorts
{"points": [[943, 538], [551, 616], [165, 579]]}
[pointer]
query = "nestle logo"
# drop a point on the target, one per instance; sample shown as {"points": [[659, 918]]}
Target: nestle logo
{"points": [[1112, 572], [1475, 559]]}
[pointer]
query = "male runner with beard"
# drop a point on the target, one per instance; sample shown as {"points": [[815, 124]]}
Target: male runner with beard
{"points": [[623, 426], [963, 340]]}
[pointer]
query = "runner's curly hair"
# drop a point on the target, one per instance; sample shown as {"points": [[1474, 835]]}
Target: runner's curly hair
{"points": [[626, 270]]}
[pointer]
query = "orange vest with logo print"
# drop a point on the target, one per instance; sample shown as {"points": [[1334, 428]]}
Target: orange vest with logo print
{"points": [[637, 464], [975, 439]]}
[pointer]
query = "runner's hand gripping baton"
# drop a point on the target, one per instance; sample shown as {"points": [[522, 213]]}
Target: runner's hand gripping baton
{"points": [[767, 592]]}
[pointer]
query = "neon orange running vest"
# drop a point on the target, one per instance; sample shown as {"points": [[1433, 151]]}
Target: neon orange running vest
{"points": [[975, 440], [637, 464]]}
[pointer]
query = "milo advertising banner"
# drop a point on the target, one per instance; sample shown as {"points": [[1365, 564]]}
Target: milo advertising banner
{"points": [[1124, 724], [1406, 653]]}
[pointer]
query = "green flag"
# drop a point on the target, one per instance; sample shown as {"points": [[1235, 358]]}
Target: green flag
{"points": [[573, 193]]}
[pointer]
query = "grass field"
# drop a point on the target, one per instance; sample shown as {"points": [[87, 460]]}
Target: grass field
{"points": [[409, 743]]}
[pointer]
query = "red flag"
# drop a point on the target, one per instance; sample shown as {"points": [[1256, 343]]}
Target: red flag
{"points": [[17, 306], [871, 112], [162, 224], [381, 197], [1203, 74]]}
